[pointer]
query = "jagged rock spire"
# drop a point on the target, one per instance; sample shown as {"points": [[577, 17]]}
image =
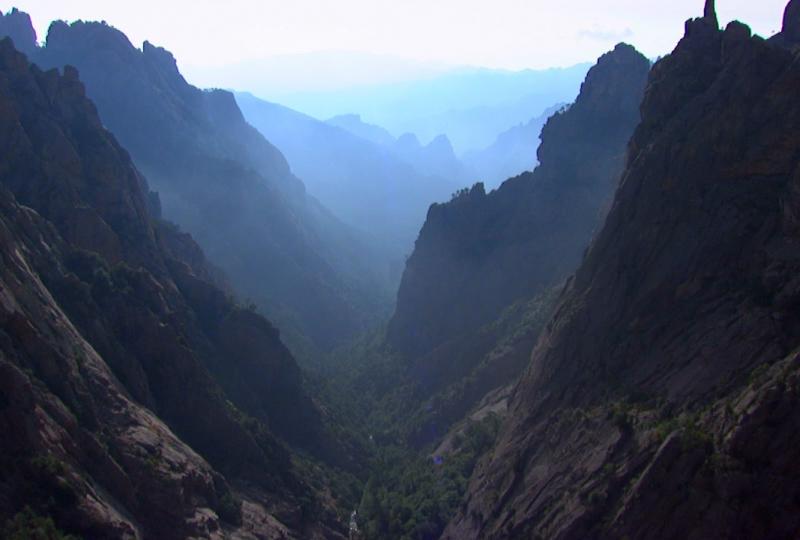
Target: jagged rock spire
{"points": [[791, 21], [710, 13]]}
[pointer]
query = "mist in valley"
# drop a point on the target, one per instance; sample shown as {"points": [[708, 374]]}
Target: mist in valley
{"points": [[379, 270]]}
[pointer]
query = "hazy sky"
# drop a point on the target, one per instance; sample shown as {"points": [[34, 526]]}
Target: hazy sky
{"points": [[510, 34]]}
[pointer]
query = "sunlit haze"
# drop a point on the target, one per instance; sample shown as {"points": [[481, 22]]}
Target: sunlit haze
{"points": [[384, 40]]}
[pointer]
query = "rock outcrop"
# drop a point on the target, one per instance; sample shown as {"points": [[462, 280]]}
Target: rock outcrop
{"points": [[662, 400], [480, 253], [136, 398], [220, 180], [18, 26], [789, 36]]}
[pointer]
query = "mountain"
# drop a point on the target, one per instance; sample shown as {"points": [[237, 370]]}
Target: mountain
{"points": [[477, 292], [470, 106], [369, 186], [437, 158], [17, 25], [225, 184], [662, 399], [352, 123], [480, 253], [137, 399], [510, 154]]}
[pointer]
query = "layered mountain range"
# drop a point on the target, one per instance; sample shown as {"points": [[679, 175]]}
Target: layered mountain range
{"points": [[471, 105], [218, 178], [662, 399], [137, 399], [368, 184]]}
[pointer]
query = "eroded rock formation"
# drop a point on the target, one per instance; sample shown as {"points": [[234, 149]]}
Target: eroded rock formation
{"points": [[662, 400]]}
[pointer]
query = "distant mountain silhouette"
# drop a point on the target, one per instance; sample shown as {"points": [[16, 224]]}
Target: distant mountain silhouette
{"points": [[510, 154], [437, 158], [359, 128], [370, 186], [471, 106]]}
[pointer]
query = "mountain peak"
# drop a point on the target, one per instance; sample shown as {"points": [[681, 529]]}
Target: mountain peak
{"points": [[791, 21], [607, 88], [710, 13], [17, 25], [442, 143], [160, 55], [408, 140]]}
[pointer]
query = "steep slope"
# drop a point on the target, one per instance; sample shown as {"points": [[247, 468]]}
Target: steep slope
{"points": [[130, 383], [367, 185], [226, 185], [662, 401], [510, 154], [479, 253]]}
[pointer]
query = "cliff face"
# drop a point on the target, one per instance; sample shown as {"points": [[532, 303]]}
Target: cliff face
{"points": [[225, 184], [662, 400], [480, 253], [134, 393]]}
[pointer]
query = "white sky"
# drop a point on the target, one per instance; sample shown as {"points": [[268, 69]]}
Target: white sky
{"points": [[510, 34]]}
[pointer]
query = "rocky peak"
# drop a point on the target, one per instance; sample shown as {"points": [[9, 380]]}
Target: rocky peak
{"points": [[686, 295], [408, 141], [710, 13], [707, 25], [17, 25], [82, 37], [791, 22], [441, 143], [607, 71], [160, 56]]}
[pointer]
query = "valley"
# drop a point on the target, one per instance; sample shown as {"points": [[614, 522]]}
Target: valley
{"points": [[555, 303]]}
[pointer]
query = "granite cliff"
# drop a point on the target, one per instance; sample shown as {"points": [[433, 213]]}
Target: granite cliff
{"points": [[137, 399], [662, 399]]}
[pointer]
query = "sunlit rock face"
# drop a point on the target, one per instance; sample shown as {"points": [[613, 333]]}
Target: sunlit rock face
{"points": [[134, 392], [662, 400]]}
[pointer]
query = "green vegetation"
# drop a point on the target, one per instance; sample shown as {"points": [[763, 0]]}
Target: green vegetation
{"points": [[412, 497], [230, 508], [48, 483], [28, 525]]}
